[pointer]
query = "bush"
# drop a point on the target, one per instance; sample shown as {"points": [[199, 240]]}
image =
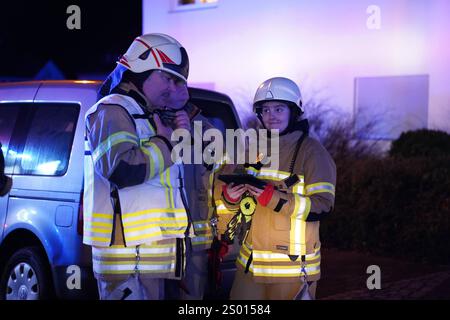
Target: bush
{"points": [[394, 207], [338, 133], [428, 143]]}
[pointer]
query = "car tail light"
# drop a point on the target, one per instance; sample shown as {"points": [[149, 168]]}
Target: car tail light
{"points": [[80, 216]]}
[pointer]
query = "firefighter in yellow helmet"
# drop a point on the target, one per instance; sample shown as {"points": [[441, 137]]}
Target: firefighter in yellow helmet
{"points": [[280, 254], [135, 211]]}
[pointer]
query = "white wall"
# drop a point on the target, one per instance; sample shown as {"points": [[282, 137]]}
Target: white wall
{"points": [[323, 45]]}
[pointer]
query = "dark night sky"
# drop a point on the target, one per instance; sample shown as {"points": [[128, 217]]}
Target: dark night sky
{"points": [[32, 32]]}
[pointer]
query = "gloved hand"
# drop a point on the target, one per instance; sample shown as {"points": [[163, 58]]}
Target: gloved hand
{"points": [[262, 195], [233, 193], [182, 120], [162, 129]]}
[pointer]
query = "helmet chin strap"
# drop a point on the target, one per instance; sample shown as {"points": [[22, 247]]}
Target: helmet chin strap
{"points": [[293, 121], [259, 116]]}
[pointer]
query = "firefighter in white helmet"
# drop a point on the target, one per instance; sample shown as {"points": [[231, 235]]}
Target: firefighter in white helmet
{"points": [[280, 253], [135, 210]]}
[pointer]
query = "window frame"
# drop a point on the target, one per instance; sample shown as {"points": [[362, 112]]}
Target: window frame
{"points": [[6, 144], [21, 131], [177, 7], [18, 134]]}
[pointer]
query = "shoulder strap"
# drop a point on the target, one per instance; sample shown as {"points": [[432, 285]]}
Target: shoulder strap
{"points": [[293, 178], [297, 148]]}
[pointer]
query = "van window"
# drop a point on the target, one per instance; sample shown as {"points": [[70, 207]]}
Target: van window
{"points": [[49, 140], [218, 113], [8, 117]]}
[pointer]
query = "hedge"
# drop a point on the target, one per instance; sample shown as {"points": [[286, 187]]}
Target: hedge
{"points": [[397, 207], [421, 143]]}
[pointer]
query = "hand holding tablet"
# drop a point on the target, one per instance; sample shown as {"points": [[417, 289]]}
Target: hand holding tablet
{"points": [[238, 179]]}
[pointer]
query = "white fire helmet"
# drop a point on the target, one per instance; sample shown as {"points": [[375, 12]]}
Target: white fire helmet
{"points": [[156, 51], [279, 89]]}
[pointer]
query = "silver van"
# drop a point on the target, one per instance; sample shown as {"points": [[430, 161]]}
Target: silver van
{"points": [[42, 136]]}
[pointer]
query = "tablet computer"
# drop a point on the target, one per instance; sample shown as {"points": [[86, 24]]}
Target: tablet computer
{"points": [[242, 179]]}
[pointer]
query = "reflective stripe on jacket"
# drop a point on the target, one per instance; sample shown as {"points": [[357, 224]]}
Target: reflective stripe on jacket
{"points": [[150, 211], [272, 265], [157, 260]]}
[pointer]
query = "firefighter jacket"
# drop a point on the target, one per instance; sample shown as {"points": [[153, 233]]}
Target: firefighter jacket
{"points": [[283, 240], [198, 185], [133, 194]]}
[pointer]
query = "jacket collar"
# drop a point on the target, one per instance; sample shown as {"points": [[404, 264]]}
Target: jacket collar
{"points": [[129, 89]]}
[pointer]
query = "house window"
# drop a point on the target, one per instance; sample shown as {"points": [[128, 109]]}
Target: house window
{"points": [[183, 5]]}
